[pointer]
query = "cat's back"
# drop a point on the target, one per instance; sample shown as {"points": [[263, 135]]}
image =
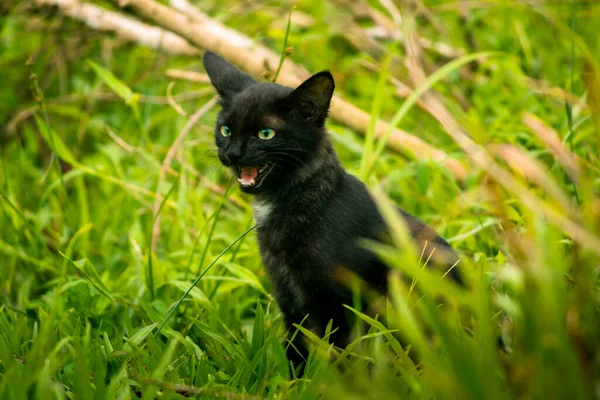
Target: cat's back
{"points": [[438, 250], [353, 211]]}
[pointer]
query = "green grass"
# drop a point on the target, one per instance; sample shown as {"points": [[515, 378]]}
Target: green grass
{"points": [[89, 308]]}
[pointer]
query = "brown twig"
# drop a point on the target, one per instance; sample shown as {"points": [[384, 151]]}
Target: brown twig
{"points": [[172, 101], [191, 76], [186, 390]]}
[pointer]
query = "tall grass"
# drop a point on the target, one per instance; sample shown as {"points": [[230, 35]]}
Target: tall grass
{"points": [[84, 314]]}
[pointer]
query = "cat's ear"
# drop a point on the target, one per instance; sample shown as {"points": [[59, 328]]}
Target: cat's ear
{"points": [[311, 99], [225, 77]]}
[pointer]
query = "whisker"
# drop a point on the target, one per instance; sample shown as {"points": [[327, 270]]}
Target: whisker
{"points": [[298, 148], [275, 165], [213, 168], [287, 155], [296, 163]]}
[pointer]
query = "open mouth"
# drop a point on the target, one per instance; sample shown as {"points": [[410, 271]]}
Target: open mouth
{"points": [[253, 176]]}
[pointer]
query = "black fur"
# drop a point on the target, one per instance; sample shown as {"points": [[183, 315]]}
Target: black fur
{"points": [[310, 213]]}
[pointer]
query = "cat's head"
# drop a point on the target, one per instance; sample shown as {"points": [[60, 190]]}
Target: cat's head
{"points": [[265, 132]]}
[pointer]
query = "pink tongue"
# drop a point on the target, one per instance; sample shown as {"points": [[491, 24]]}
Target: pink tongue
{"points": [[249, 173]]}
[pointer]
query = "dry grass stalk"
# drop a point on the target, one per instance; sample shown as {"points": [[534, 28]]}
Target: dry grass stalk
{"points": [[551, 139], [481, 158], [175, 147], [532, 170], [554, 92], [172, 101], [386, 28]]}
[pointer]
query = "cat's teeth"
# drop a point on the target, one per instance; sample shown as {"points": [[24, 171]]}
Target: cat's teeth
{"points": [[243, 182]]}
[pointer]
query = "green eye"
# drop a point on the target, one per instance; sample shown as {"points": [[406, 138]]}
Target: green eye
{"points": [[266, 134], [225, 130]]}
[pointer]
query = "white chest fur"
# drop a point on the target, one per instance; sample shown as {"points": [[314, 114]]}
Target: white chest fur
{"points": [[262, 210]]}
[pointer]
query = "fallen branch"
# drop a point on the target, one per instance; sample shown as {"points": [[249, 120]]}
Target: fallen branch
{"points": [[126, 27], [209, 34]]}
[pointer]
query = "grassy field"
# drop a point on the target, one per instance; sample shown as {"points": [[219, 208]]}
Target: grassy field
{"points": [[105, 224]]}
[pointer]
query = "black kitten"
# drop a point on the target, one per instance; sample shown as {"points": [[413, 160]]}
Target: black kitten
{"points": [[310, 213]]}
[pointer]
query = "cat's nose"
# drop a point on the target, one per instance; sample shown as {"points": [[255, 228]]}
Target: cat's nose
{"points": [[234, 154]]}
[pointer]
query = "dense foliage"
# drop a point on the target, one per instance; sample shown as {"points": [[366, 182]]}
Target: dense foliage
{"points": [[103, 228]]}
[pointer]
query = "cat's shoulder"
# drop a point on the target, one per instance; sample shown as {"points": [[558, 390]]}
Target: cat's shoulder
{"points": [[354, 190]]}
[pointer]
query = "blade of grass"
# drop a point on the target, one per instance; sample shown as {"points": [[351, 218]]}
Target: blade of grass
{"points": [[200, 277], [25, 220], [375, 114], [10, 250], [285, 51], [212, 228], [130, 98], [568, 105], [39, 97], [91, 274], [150, 270], [63, 152], [434, 78], [231, 259]]}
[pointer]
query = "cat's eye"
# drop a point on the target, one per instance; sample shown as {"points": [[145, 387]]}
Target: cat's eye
{"points": [[266, 134], [225, 130]]}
